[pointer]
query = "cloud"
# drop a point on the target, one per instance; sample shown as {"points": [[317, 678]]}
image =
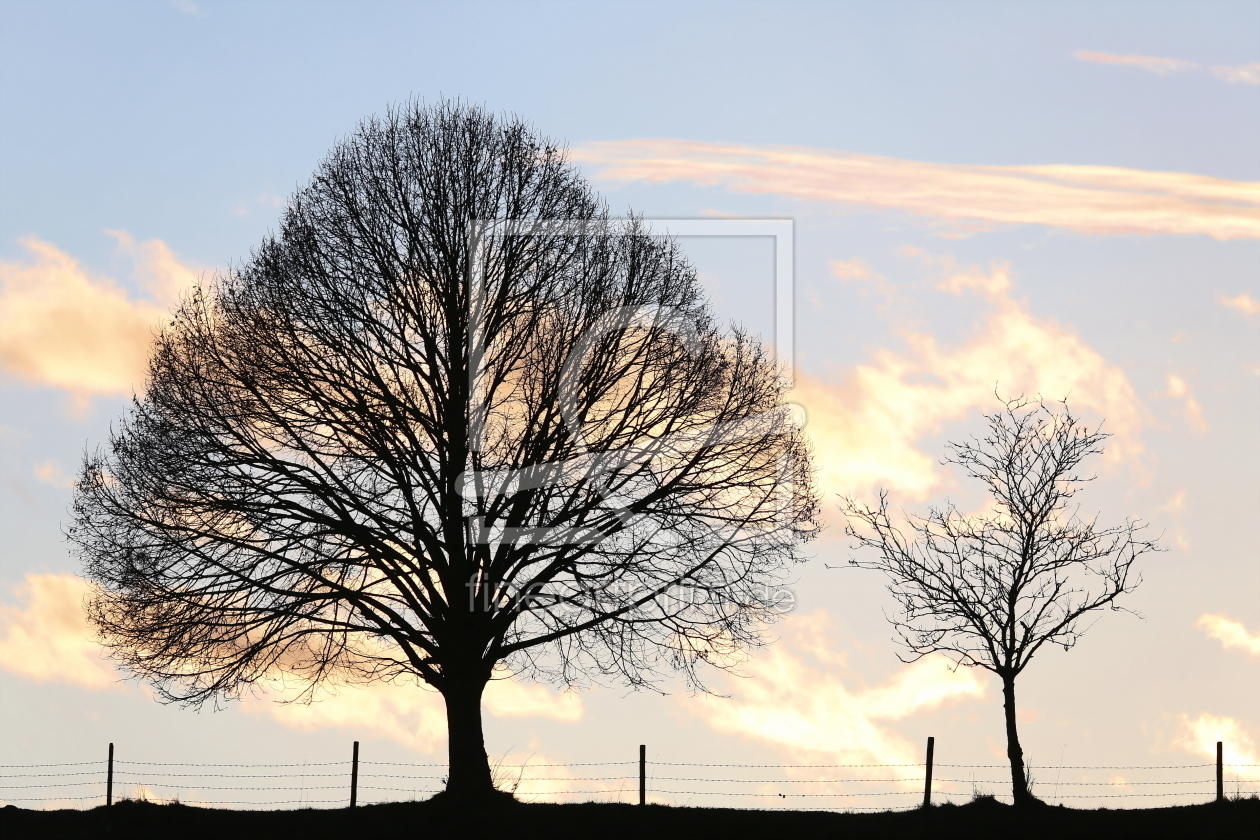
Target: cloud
{"points": [[49, 638], [188, 7], [1243, 74], [958, 280], [865, 426], [851, 270], [797, 699], [1149, 63], [1176, 506], [51, 472], [156, 268], [263, 201], [510, 699], [536, 777], [63, 327], [1244, 303], [1198, 736], [407, 712], [857, 271], [1091, 199], [1231, 634], [1179, 390]]}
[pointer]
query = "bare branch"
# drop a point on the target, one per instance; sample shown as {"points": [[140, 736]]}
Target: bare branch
{"points": [[990, 591]]}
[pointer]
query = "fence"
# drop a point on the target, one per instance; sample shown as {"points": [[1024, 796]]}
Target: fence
{"points": [[832, 787]]}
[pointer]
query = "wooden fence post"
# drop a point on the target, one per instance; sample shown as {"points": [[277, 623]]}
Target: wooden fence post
{"points": [[109, 779], [354, 776], [1220, 772], [642, 774], [927, 779]]}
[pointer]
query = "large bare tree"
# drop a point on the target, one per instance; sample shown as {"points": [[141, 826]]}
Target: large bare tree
{"points": [[991, 590], [450, 422]]}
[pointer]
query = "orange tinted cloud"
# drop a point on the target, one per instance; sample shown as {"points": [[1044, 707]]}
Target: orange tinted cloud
{"points": [[1198, 736], [797, 699], [536, 777], [865, 427], [1179, 390], [1149, 63], [64, 327], [1243, 74], [51, 472], [507, 698], [48, 638], [1243, 303], [857, 271], [188, 7], [407, 712], [1176, 506], [1090, 199], [1231, 634]]}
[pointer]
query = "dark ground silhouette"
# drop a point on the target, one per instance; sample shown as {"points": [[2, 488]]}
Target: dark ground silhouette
{"points": [[984, 818]]}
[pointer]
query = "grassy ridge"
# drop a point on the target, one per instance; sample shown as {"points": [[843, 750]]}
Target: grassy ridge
{"points": [[420, 820]]}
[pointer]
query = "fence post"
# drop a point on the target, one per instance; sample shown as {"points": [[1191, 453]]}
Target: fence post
{"points": [[927, 779], [109, 779], [1220, 772], [642, 774], [354, 776]]}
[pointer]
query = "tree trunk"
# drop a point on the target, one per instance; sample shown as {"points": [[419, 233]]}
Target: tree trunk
{"points": [[469, 768], [1019, 782]]}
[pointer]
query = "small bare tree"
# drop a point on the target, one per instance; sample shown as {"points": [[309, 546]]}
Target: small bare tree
{"points": [[451, 421], [991, 590]]}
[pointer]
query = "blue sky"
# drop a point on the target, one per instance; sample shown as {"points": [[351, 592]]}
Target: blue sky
{"points": [[181, 127]]}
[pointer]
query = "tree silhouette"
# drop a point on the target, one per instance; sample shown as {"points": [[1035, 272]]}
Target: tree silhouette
{"points": [[990, 590], [450, 422]]}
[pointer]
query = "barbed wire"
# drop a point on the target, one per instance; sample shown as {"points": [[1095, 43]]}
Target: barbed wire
{"points": [[936, 764], [185, 764], [63, 764], [136, 774], [49, 775], [53, 799], [514, 766], [1119, 795], [399, 764], [783, 795], [797, 766], [623, 763], [197, 775]]}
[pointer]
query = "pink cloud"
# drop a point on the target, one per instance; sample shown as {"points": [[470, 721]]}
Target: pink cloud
{"points": [[1179, 390], [1198, 736], [1090, 199], [51, 472], [1231, 634], [866, 425], [48, 638], [65, 327], [1149, 63], [802, 698], [1243, 74], [1243, 303]]}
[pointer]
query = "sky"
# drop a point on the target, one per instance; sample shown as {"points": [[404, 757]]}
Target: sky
{"points": [[1056, 199]]}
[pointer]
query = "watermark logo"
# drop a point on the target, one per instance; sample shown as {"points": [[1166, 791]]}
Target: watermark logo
{"points": [[592, 465], [495, 597]]}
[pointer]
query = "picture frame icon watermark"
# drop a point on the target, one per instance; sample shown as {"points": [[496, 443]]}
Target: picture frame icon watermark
{"points": [[783, 232], [781, 344]]}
